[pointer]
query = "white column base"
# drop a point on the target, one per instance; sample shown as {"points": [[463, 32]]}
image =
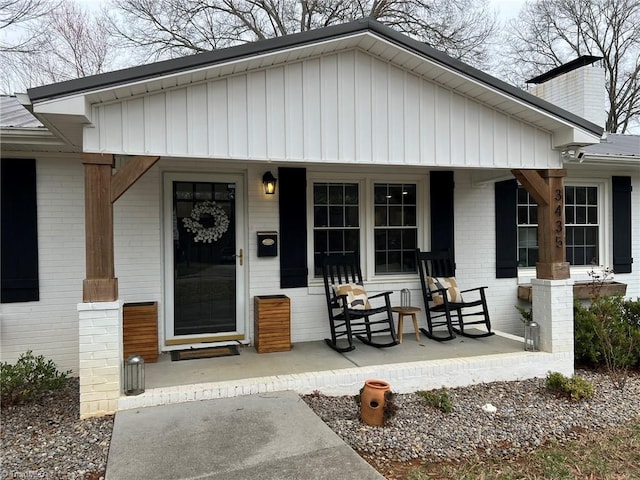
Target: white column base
{"points": [[552, 303], [100, 350]]}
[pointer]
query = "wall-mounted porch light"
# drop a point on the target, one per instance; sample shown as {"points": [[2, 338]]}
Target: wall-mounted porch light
{"points": [[269, 182]]}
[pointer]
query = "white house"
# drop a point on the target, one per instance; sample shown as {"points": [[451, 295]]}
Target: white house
{"points": [[379, 144]]}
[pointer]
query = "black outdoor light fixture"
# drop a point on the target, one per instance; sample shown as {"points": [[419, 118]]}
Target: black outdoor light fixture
{"points": [[269, 182]]}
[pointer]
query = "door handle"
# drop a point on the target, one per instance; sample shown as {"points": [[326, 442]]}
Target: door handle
{"points": [[240, 255]]}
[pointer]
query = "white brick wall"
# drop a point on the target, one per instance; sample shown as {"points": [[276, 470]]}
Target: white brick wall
{"points": [[50, 326], [100, 354]]}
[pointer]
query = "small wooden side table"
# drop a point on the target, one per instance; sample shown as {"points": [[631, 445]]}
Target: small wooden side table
{"points": [[402, 312]]}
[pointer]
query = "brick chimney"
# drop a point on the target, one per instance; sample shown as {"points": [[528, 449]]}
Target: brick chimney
{"points": [[577, 86]]}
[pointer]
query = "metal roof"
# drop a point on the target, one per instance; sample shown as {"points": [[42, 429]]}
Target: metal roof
{"points": [[14, 114], [615, 144], [247, 51]]}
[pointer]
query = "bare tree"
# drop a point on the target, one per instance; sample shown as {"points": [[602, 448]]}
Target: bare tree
{"points": [[548, 33], [15, 17], [171, 28], [72, 44]]}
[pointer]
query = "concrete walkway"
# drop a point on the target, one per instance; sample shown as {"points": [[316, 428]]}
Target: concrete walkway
{"points": [[267, 436]]}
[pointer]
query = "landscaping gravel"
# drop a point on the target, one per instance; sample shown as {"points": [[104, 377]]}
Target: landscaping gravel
{"points": [[526, 416], [47, 440]]}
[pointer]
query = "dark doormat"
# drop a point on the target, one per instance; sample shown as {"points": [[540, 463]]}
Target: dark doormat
{"points": [[210, 352]]}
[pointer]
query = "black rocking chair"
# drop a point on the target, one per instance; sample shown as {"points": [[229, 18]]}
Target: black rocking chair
{"points": [[443, 300], [350, 313]]}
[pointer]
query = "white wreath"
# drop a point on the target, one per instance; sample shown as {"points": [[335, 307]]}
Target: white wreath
{"points": [[202, 233]]}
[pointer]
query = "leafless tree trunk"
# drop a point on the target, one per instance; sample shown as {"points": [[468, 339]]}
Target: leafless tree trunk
{"points": [[548, 33], [171, 28]]}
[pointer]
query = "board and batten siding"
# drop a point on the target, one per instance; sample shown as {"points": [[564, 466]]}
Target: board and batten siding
{"points": [[346, 107]]}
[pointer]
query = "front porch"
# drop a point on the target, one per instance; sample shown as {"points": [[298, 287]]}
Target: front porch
{"points": [[309, 366]]}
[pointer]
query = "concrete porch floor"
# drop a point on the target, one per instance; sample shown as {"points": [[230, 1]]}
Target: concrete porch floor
{"points": [[310, 366]]}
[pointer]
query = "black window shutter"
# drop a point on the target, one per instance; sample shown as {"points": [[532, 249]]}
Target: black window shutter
{"points": [[292, 188], [506, 204], [442, 222], [621, 224], [19, 237]]}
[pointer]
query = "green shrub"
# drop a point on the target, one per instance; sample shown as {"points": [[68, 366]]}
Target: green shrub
{"points": [[607, 334], [576, 387], [587, 348], [438, 399], [29, 378]]}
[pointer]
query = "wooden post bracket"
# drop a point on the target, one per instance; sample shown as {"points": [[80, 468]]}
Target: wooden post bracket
{"points": [[547, 189], [102, 189]]}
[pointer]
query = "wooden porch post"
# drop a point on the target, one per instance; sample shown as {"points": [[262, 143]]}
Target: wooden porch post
{"points": [[100, 284], [547, 188], [101, 190]]}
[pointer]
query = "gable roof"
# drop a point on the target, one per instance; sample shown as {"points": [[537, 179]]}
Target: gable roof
{"points": [[315, 42]]}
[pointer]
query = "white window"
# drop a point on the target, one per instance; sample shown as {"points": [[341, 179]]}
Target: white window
{"points": [[583, 227], [336, 220], [376, 219], [396, 228]]}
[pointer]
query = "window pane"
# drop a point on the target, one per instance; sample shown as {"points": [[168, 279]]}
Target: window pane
{"points": [[410, 216], [381, 240], [320, 217], [352, 219], [335, 241], [381, 262], [409, 239], [395, 216], [380, 194], [336, 196], [591, 235], [336, 217], [523, 195], [592, 215], [352, 241], [381, 216], [395, 194], [581, 195], [395, 261], [533, 214], [592, 195], [394, 239], [581, 215], [569, 195], [351, 194], [569, 215], [203, 191], [523, 215], [409, 192], [320, 193]]}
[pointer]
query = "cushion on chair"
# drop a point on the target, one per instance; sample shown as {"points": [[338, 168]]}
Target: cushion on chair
{"points": [[448, 283], [356, 295]]}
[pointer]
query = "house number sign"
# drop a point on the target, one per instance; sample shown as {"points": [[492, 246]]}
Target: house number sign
{"points": [[559, 224]]}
